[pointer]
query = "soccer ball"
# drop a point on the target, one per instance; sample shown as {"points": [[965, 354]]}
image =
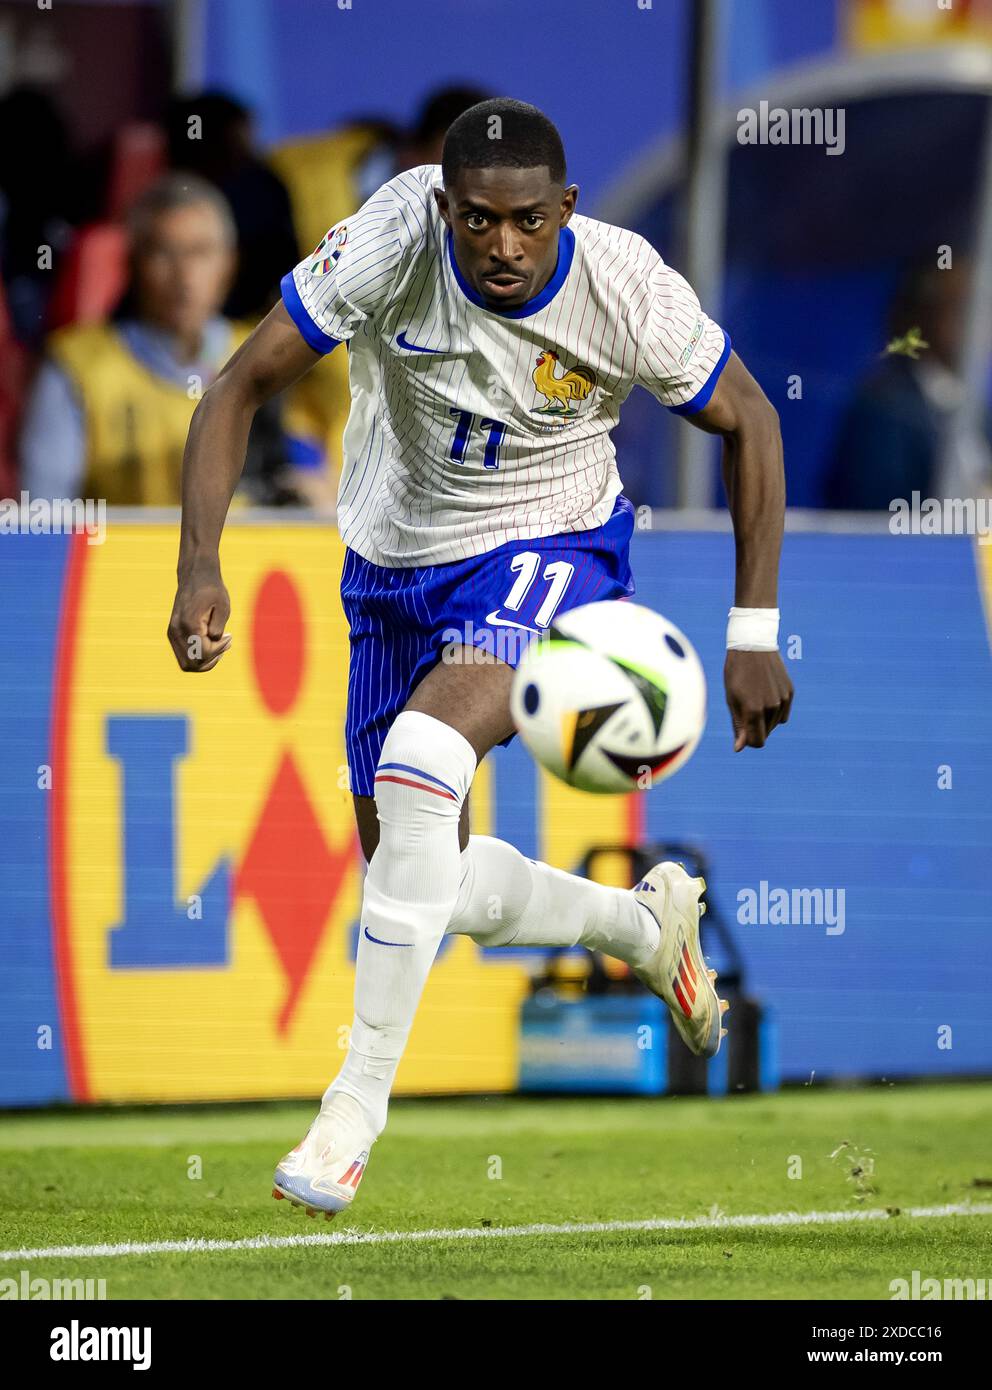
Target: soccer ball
{"points": [[611, 699]]}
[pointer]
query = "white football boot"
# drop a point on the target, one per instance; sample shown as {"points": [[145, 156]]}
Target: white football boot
{"points": [[323, 1172], [677, 972]]}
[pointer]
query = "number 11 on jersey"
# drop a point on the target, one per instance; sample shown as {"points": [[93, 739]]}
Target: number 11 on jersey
{"points": [[466, 423]]}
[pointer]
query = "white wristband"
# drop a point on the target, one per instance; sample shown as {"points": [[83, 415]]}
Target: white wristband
{"points": [[752, 630]]}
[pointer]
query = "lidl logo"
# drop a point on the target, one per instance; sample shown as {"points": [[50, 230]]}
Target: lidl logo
{"points": [[206, 873]]}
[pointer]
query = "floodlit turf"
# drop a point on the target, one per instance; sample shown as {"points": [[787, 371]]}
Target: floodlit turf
{"points": [[74, 1178]]}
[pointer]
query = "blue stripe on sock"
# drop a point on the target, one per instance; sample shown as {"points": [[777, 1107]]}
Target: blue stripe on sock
{"points": [[405, 767]]}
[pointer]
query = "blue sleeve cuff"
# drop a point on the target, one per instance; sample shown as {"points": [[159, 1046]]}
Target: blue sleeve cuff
{"points": [[702, 397], [313, 335]]}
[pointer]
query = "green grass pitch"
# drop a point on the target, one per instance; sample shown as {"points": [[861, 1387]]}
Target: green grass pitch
{"points": [[133, 1176]]}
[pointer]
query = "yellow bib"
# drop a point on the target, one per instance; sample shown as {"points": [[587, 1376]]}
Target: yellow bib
{"points": [[136, 422]]}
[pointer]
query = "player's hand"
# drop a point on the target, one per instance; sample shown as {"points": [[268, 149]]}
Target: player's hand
{"points": [[759, 695], [199, 615]]}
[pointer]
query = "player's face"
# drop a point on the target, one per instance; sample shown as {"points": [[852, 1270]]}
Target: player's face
{"points": [[182, 269], [505, 224]]}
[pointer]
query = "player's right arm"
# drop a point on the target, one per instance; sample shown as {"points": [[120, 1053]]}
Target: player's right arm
{"points": [[326, 299], [272, 358]]}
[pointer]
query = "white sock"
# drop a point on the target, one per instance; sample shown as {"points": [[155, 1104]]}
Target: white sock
{"points": [[424, 773], [506, 899]]}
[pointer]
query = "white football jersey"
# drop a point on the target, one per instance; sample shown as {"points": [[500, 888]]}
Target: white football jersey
{"points": [[472, 426]]}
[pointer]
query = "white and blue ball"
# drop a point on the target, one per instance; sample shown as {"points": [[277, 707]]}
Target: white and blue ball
{"points": [[612, 699]]}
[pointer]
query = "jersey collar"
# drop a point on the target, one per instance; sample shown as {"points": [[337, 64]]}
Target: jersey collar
{"points": [[566, 250]]}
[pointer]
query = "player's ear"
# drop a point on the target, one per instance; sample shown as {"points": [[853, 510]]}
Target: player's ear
{"points": [[569, 198], [442, 205]]}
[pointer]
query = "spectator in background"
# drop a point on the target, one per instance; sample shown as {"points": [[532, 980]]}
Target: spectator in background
{"points": [[892, 438], [111, 405], [211, 135], [39, 200]]}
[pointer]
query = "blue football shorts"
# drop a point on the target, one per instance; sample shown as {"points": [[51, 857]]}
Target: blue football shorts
{"points": [[402, 620]]}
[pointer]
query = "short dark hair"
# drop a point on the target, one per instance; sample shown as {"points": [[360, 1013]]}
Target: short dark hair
{"points": [[506, 134]]}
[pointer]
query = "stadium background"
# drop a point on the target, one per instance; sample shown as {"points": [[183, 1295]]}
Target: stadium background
{"points": [[229, 790]]}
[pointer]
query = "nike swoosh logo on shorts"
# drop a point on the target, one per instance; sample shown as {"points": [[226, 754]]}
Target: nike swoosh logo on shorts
{"points": [[412, 347], [508, 622]]}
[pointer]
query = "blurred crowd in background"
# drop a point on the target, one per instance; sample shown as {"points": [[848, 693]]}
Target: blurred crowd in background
{"points": [[153, 267], [132, 264]]}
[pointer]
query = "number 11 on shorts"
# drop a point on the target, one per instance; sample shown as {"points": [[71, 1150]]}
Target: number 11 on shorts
{"points": [[526, 565]]}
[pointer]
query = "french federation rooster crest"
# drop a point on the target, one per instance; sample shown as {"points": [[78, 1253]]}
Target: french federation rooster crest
{"points": [[560, 391]]}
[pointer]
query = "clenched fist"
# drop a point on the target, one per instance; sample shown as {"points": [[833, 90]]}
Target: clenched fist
{"points": [[199, 614]]}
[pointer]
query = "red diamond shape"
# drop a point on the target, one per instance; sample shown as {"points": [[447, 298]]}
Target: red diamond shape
{"points": [[293, 877]]}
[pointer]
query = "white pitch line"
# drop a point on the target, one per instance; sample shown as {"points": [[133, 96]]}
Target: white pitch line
{"points": [[682, 1223]]}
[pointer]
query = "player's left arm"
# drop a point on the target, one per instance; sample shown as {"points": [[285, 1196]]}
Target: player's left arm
{"points": [[759, 691]]}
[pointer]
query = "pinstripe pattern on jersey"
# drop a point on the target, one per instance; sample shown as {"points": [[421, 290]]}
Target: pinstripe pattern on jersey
{"points": [[401, 619], [619, 312]]}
